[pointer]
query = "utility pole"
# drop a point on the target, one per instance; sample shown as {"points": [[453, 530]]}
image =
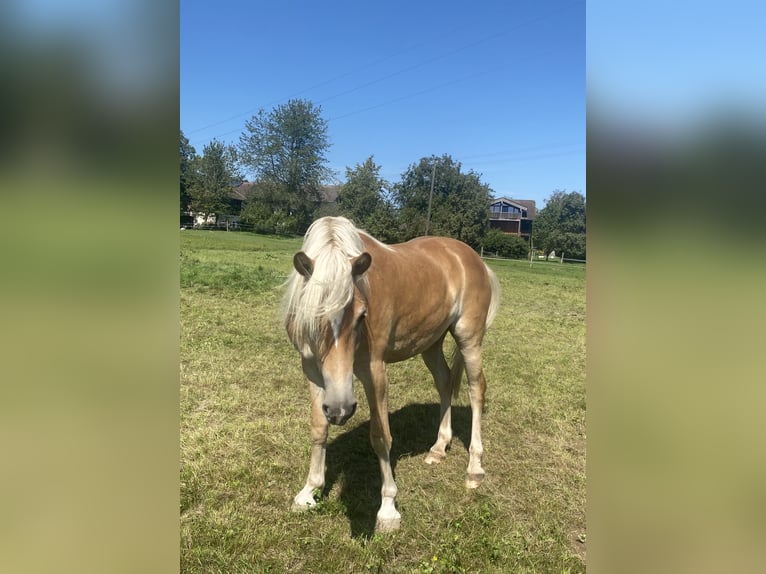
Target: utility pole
{"points": [[430, 197]]}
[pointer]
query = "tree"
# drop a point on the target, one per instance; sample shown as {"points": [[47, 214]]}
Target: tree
{"points": [[460, 202], [287, 146], [188, 153], [363, 199], [269, 209], [211, 178], [560, 225]]}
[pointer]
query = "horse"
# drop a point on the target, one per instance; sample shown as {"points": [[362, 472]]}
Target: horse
{"points": [[354, 304]]}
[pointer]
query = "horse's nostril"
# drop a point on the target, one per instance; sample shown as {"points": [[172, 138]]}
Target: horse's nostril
{"points": [[339, 415]]}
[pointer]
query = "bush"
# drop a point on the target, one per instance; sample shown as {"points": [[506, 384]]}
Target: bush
{"points": [[505, 245], [262, 218]]}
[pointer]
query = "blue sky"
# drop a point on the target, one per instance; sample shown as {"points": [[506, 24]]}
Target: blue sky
{"points": [[500, 86]]}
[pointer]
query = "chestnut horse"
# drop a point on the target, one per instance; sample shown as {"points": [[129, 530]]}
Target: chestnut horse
{"points": [[354, 304]]}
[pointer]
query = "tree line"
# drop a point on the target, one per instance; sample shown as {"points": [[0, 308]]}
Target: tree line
{"points": [[284, 152]]}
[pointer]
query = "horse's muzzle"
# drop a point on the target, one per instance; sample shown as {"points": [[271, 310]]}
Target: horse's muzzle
{"points": [[337, 415]]}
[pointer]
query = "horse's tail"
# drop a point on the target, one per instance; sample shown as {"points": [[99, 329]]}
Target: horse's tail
{"points": [[458, 362], [494, 302]]}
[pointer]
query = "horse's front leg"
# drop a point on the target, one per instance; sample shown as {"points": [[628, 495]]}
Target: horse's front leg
{"points": [[373, 377], [319, 426]]}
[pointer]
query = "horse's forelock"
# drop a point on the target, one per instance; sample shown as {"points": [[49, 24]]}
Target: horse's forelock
{"points": [[331, 234], [311, 305]]}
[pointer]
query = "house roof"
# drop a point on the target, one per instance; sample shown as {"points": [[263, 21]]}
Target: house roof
{"points": [[240, 191], [528, 204], [329, 193]]}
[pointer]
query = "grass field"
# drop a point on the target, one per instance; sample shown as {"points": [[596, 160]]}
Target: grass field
{"points": [[245, 433]]}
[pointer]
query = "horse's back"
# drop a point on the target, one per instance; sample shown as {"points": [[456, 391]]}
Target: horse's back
{"points": [[419, 289], [458, 262]]}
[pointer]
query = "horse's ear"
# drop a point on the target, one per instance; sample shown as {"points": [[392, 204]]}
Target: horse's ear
{"points": [[360, 264], [303, 264]]}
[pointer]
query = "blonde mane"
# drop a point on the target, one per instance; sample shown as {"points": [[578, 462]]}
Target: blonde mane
{"points": [[312, 305]]}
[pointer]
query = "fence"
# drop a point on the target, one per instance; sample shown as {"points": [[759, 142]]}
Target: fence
{"points": [[536, 257], [225, 225]]}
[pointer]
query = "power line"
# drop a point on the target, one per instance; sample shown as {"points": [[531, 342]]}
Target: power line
{"points": [[411, 95], [413, 67], [335, 79], [529, 157], [431, 60], [366, 84], [514, 156], [524, 149], [388, 102]]}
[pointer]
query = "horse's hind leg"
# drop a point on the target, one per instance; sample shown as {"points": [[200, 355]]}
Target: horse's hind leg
{"points": [[437, 364], [477, 386], [469, 345]]}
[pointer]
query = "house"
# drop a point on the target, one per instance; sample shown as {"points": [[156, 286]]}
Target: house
{"points": [[513, 216], [238, 197], [329, 193], [236, 200]]}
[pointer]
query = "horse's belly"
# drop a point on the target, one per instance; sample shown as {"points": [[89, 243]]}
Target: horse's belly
{"points": [[408, 342]]}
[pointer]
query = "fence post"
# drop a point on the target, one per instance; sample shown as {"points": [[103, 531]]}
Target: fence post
{"points": [[562, 257]]}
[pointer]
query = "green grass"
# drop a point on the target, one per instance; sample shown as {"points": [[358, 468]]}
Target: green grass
{"points": [[245, 433]]}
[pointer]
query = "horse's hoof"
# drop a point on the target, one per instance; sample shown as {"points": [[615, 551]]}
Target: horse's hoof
{"points": [[388, 524], [434, 457], [474, 480], [301, 507], [303, 502]]}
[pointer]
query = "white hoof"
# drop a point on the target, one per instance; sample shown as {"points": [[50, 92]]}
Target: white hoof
{"points": [[301, 507], [388, 524], [434, 457], [389, 518], [303, 501], [473, 480]]}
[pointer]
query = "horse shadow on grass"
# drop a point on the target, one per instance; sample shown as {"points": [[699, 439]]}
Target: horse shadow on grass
{"points": [[351, 460]]}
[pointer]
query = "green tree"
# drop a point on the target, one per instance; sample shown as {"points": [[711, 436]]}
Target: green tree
{"points": [[460, 202], [364, 199], [287, 146], [210, 179], [560, 225], [270, 209], [188, 153]]}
